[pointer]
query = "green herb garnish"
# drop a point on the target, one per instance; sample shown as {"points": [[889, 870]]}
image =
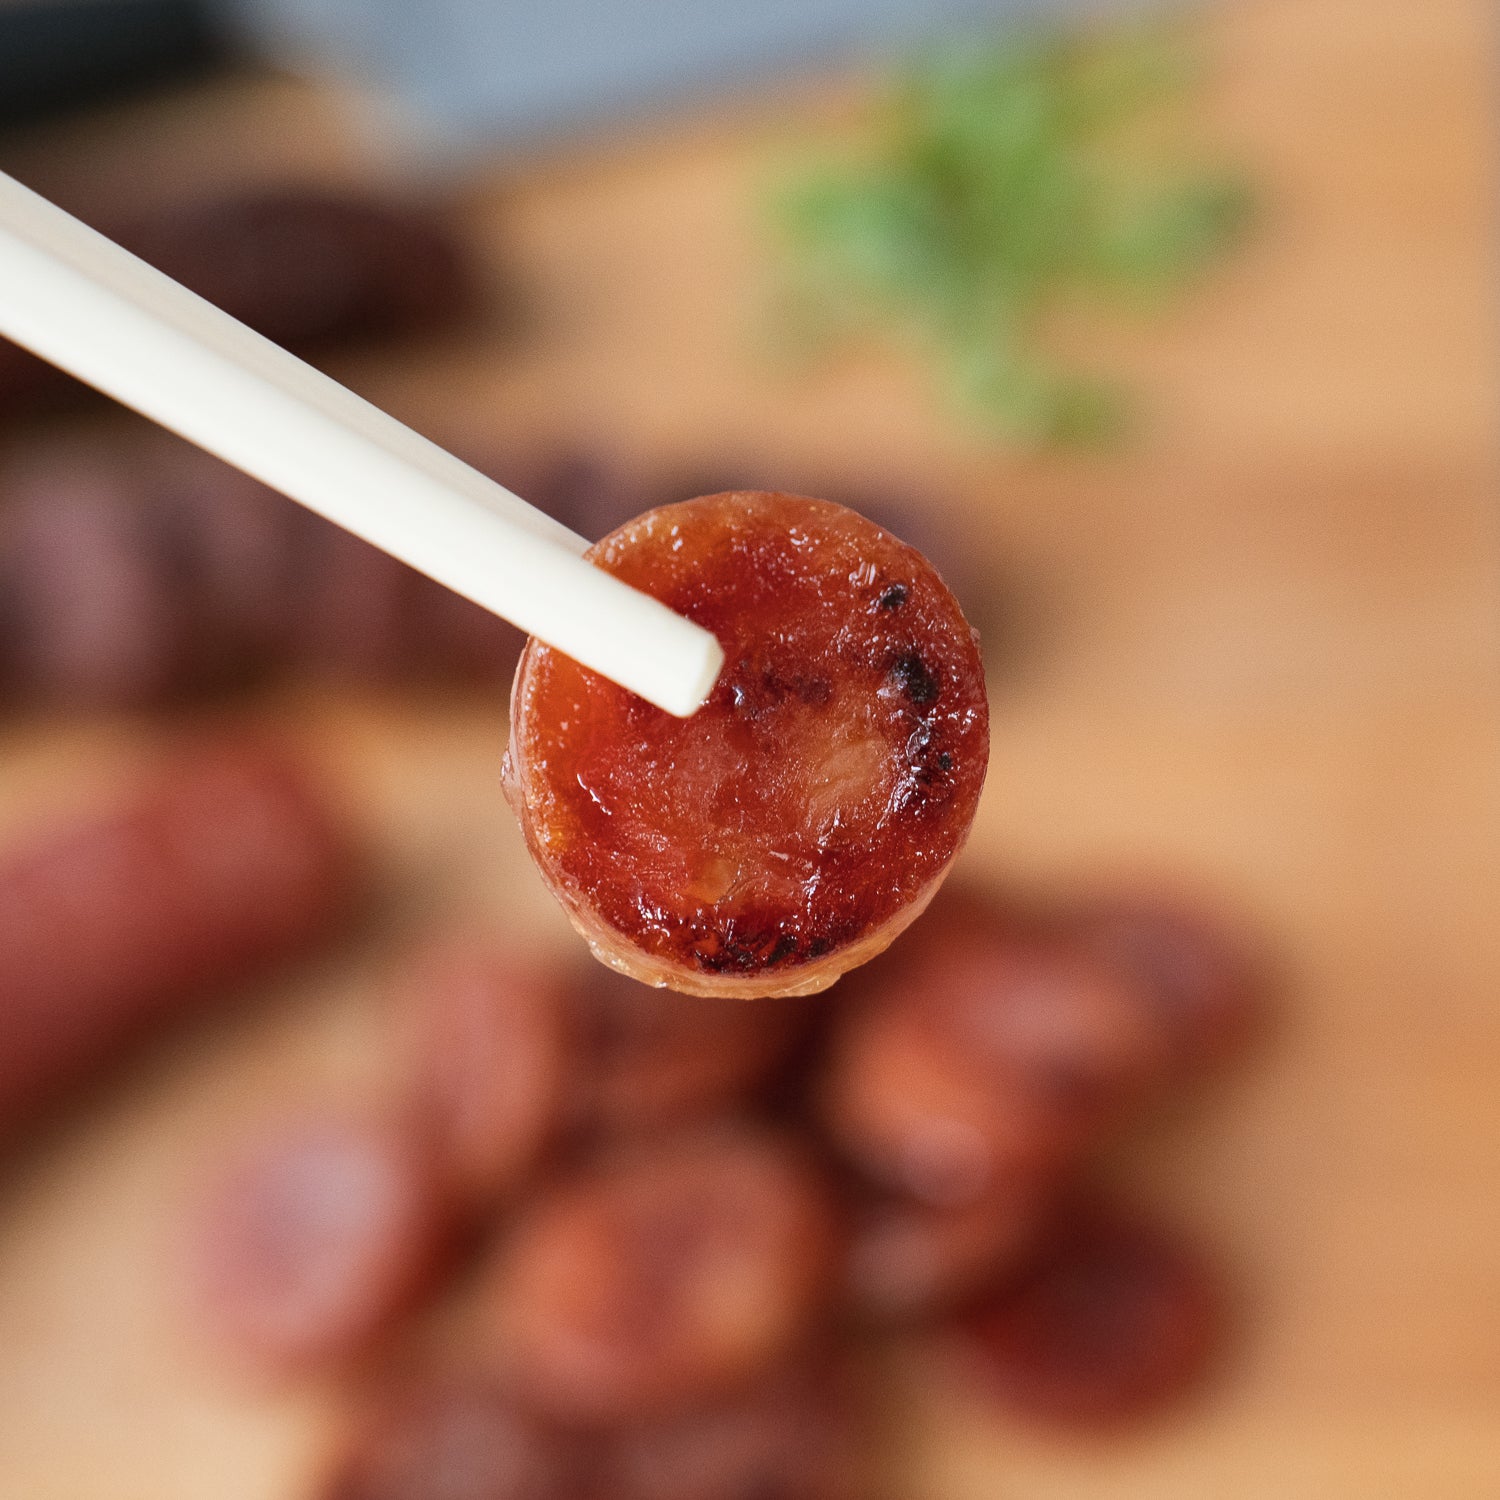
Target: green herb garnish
{"points": [[999, 183]]}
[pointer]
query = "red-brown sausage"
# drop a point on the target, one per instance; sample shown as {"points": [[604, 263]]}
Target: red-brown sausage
{"points": [[449, 1435], [650, 1057], [137, 569], [980, 1054], [314, 1239], [493, 1054], [664, 1276], [1113, 1318], [795, 824], [227, 861], [88, 620], [796, 1436], [908, 1259], [1198, 974]]}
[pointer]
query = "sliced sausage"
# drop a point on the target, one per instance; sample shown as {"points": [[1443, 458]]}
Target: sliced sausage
{"points": [[908, 1259], [305, 267], [664, 1276], [1198, 973], [795, 1436], [88, 619], [450, 1435], [1113, 1318], [650, 1057], [314, 1239], [981, 1054], [137, 569], [224, 862], [796, 823], [493, 1058]]}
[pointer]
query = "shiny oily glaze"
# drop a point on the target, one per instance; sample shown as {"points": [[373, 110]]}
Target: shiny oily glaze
{"points": [[794, 825]]}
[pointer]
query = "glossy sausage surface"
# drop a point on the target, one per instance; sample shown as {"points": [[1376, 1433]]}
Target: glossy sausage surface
{"points": [[795, 824]]}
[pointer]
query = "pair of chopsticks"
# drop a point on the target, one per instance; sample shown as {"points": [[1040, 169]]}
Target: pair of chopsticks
{"points": [[84, 304]]}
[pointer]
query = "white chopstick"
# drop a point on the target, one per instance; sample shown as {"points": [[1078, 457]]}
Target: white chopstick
{"points": [[81, 302]]}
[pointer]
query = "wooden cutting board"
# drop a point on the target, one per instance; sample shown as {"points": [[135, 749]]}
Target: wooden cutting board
{"points": [[1260, 653]]}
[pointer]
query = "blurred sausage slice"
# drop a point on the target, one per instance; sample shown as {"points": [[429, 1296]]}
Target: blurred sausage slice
{"points": [[87, 619], [493, 1047], [314, 1238], [224, 862], [448, 1435], [981, 1054], [135, 569], [351, 620], [650, 1057], [908, 1259], [1112, 1318], [664, 1276], [307, 267], [1203, 982], [234, 553], [796, 1436]]}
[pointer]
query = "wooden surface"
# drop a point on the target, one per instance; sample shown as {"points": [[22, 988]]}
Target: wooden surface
{"points": [[1265, 661]]}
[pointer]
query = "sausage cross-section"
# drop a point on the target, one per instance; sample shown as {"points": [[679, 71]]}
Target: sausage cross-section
{"points": [[795, 824]]}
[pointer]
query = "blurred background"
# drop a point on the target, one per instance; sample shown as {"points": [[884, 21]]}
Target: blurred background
{"points": [[1168, 336]]}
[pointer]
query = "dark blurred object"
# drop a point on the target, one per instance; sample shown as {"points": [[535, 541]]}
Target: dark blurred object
{"points": [[910, 1260], [1207, 985], [493, 1051], [88, 619], [223, 863], [305, 268], [664, 1275], [1114, 1317], [588, 492], [60, 55], [315, 1239], [445, 1435], [982, 1053], [798, 1435], [139, 570], [651, 1057], [136, 570]]}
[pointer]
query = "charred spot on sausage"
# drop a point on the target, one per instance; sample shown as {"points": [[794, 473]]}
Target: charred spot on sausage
{"points": [[915, 678]]}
